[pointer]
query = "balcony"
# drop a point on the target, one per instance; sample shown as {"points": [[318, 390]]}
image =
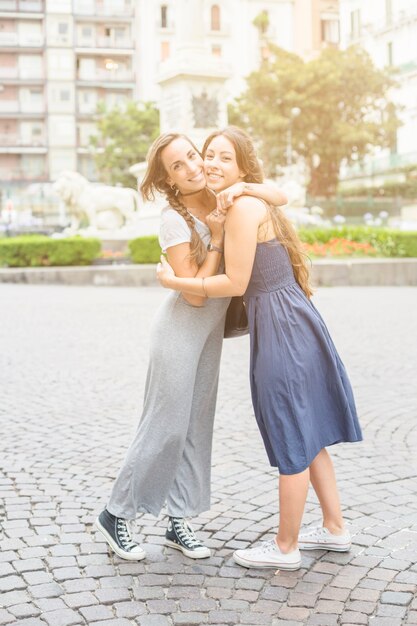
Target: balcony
{"points": [[16, 107], [8, 139], [12, 40], [100, 75], [10, 73], [106, 10], [105, 42], [25, 6], [21, 175]]}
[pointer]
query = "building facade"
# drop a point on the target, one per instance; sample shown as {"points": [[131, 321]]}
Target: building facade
{"points": [[60, 58], [388, 31]]}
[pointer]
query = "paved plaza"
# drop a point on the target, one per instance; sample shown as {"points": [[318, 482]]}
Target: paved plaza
{"points": [[72, 372]]}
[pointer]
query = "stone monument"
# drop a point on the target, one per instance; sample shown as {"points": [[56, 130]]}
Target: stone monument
{"points": [[192, 81], [192, 97]]}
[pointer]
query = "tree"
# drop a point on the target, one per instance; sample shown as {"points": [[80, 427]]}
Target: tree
{"points": [[343, 111], [124, 136]]}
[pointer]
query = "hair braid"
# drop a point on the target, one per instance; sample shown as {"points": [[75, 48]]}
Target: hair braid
{"points": [[198, 250], [155, 180]]}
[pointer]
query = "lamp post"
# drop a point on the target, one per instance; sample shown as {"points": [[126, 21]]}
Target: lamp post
{"points": [[295, 112]]}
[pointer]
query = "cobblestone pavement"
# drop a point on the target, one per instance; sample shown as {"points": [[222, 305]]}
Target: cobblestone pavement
{"points": [[73, 364]]}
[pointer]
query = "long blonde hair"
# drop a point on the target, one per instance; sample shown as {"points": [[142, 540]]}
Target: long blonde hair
{"points": [[285, 232], [155, 180]]}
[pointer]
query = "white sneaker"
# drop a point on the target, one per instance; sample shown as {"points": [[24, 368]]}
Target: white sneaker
{"points": [[268, 555], [319, 538]]}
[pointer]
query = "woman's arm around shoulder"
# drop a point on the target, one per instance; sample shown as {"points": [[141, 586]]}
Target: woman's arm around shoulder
{"points": [[241, 237]]}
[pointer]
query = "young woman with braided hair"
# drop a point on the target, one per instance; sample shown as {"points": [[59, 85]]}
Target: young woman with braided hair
{"points": [[170, 457], [301, 394]]}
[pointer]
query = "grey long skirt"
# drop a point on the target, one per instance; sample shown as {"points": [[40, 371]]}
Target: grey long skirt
{"points": [[169, 460]]}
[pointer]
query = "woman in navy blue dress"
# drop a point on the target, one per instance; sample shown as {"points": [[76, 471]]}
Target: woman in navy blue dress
{"points": [[301, 394]]}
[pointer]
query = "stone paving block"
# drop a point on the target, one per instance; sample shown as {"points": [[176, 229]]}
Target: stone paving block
{"points": [[61, 617], [6, 569], [148, 593], [14, 597], [218, 616], [11, 583], [6, 617], [50, 604], [188, 619], [76, 600], [108, 596], [253, 619], [96, 612], [391, 610], [218, 593], [37, 578], [48, 590], [233, 605], [129, 609], [322, 619], [24, 610], [197, 604], [394, 597], [294, 613], [154, 620]]}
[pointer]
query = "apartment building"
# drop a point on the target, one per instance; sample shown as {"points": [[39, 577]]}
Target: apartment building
{"points": [[60, 58], [388, 31]]}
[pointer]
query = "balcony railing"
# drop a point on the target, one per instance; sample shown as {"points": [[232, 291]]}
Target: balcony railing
{"points": [[13, 39], [18, 174], [102, 74], [14, 72], [7, 139], [14, 106], [84, 7], [27, 6], [104, 42]]}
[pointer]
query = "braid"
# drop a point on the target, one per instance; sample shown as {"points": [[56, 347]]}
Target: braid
{"points": [[155, 180], [198, 250]]}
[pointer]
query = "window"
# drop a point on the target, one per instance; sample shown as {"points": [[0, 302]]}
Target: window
{"points": [[164, 16], [165, 50], [330, 31], [388, 11], [390, 56], [215, 17], [62, 28], [216, 51], [86, 32], [64, 95], [355, 24]]}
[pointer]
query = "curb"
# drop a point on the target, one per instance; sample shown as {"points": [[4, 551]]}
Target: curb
{"points": [[325, 273]]}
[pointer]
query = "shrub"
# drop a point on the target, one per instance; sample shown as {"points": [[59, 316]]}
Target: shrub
{"points": [[145, 249], [386, 242], [39, 250]]}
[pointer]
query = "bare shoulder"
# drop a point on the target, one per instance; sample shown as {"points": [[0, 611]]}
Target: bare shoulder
{"points": [[248, 205]]}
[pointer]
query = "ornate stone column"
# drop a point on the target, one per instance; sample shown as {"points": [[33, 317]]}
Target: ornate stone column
{"points": [[193, 99]]}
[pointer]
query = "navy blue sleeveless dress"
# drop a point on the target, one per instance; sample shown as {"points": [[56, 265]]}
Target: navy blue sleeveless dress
{"points": [[301, 394]]}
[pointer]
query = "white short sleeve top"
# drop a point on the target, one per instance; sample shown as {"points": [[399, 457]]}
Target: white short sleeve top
{"points": [[174, 230]]}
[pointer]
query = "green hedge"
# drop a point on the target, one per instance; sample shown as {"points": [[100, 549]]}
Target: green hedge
{"points": [[387, 242], [145, 249], [39, 250]]}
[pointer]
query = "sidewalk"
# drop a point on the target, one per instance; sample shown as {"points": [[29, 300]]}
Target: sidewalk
{"points": [[73, 364]]}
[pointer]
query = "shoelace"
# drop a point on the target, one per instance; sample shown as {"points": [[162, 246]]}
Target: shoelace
{"points": [[124, 534], [186, 533], [268, 546]]}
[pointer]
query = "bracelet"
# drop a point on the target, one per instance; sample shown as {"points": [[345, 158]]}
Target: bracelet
{"points": [[211, 247], [204, 287]]}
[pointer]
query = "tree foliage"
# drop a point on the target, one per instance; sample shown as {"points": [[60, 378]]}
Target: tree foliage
{"points": [[343, 104], [124, 136]]}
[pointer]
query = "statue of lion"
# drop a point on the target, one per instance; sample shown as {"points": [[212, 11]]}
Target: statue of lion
{"points": [[103, 207]]}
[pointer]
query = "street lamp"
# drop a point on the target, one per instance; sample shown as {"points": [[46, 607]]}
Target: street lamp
{"points": [[295, 112]]}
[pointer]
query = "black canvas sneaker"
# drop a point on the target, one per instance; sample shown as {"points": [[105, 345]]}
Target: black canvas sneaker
{"points": [[116, 531], [180, 535]]}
